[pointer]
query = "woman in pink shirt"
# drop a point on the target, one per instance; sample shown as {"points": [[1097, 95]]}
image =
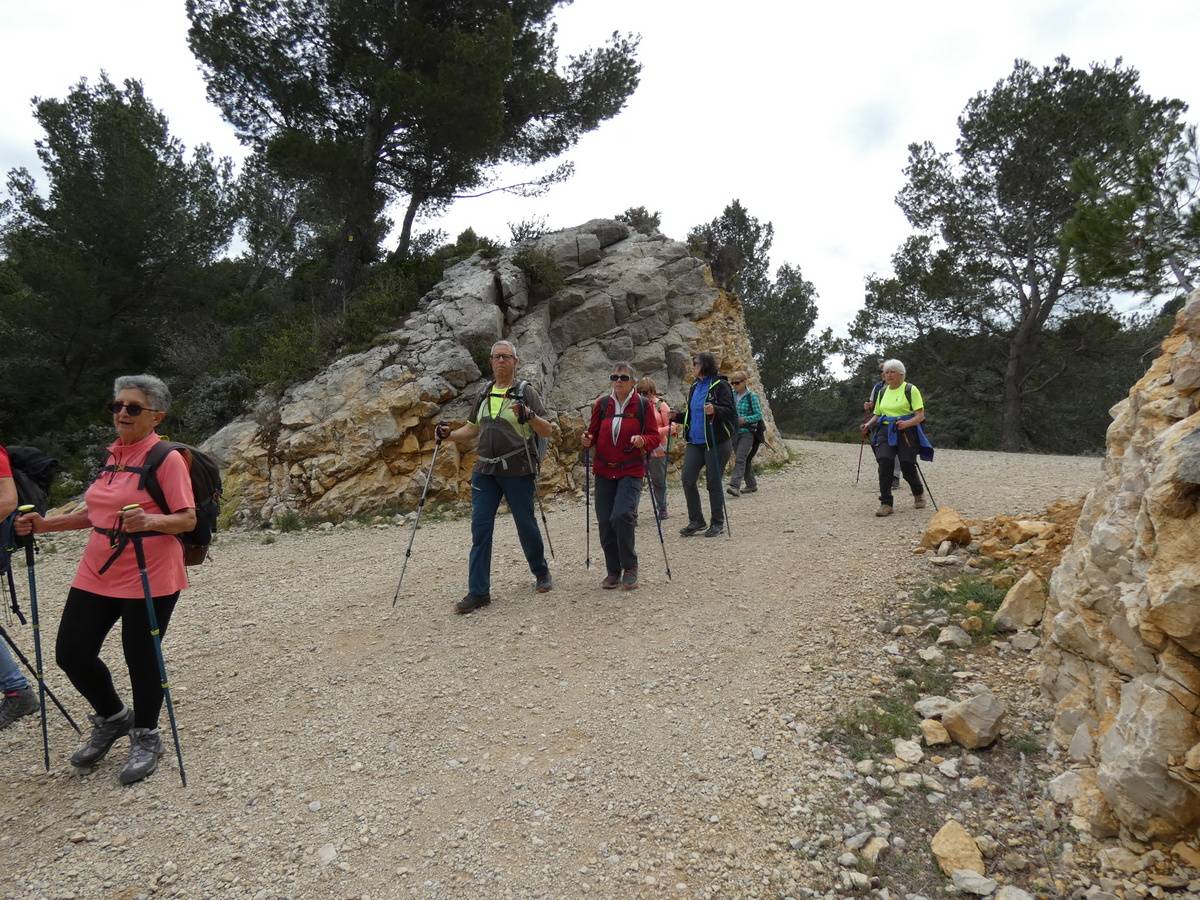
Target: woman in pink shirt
{"points": [[107, 586]]}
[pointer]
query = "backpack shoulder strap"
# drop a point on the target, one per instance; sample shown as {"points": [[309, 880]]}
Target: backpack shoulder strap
{"points": [[148, 480], [908, 395]]}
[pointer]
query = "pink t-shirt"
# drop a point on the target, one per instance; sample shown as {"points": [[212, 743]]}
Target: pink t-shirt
{"points": [[164, 554], [5, 466]]}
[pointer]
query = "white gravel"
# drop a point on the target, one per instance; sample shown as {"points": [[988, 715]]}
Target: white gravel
{"points": [[580, 742]]}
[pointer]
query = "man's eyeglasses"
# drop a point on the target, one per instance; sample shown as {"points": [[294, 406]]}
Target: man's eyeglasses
{"points": [[502, 357], [621, 377], [133, 409]]}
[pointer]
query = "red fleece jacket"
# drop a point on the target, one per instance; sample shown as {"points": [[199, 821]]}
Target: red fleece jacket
{"points": [[622, 459]]}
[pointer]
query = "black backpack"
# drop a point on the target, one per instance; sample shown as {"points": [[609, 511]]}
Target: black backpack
{"points": [[206, 488], [613, 414], [33, 471]]}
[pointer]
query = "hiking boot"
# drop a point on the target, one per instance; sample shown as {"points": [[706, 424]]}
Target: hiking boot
{"points": [[919, 501], [629, 580], [714, 530], [884, 510], [749, 490], [145, 749], [104, 734], [732, 491], [544, 583], [17, 705], [610, 581], [691, 528], [472, 602]]}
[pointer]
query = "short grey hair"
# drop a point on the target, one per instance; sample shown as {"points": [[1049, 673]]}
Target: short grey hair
{"points": [[158, 395], [894, 365], [624, 367], [510, 345]]}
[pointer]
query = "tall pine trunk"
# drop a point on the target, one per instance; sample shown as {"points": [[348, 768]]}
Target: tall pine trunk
{"points": [[355, 242], [1022, 348]]}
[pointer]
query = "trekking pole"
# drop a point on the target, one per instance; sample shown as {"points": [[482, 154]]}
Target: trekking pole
{"points": [[657, 520], [156, 635], [587, 504], [715, 467], [49, 693], [542, 509], [30, 550], [922, 474], [417, 522], [12, 593]]}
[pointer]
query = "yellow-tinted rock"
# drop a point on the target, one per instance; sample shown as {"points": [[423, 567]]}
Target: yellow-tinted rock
{"points": [[934, 732], [1023, 606], [956, 849], [946, 525]]}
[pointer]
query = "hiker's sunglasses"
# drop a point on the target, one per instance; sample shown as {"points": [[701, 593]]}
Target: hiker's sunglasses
{"points": [[133, 409], [502, 357], [621, 377], [739, 381]]}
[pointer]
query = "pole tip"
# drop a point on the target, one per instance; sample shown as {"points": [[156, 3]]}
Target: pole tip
{"points": [[25, 508]]}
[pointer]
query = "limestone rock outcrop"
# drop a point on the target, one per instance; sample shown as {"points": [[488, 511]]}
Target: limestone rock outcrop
{"points": [[358, 437], [1122, 660]]}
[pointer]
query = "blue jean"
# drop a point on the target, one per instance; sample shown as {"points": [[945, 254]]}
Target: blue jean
{"points": [[11, 678], [486, 493]]}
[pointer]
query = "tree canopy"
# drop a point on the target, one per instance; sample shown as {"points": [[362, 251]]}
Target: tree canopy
{"points": [[991, 254], [421, 100]]}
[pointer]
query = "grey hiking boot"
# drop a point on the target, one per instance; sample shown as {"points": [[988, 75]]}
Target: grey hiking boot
{"points": [[716, 529], [104, 734], [919, 501], [145, 750], [544, 583], [17, 705], [629, 581], [884, 510]]}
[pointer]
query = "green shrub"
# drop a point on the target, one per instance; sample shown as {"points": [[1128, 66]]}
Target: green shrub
{"points": [[542, 272], [288, 521]]}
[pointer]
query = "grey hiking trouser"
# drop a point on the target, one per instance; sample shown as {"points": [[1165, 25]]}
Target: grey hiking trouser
{"points": [[743, 444], [695, 458], [657, 467]]}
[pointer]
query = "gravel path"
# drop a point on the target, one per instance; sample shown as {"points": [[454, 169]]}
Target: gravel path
{"points": [[581, 742]]}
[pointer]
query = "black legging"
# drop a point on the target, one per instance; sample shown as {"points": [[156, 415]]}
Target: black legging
{"points": [[86, 621]]}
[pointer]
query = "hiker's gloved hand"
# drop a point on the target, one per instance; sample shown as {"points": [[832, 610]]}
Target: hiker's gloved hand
{"points": [[442, 431], [521, 411], [27, 524]]}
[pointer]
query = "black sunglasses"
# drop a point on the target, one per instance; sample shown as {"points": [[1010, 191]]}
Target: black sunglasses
{"points": [[134, 409], [621, 377], [739, 381]]}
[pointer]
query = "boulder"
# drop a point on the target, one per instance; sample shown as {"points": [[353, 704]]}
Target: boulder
{"points": [[933, 706], [358, 436], [1022, 530], [975, 722], [1023, 606], [946, 525], [956, 850], [1123, 607], [973, 883], [908, 751], [953, 636]]}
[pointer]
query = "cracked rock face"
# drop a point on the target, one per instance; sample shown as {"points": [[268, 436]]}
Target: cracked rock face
{"points": [[358, 437], [1123, 615]]}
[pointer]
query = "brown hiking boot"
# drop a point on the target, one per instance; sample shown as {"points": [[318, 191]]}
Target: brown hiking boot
{"points": [[884, 510], [919, 501], [611, 581]]}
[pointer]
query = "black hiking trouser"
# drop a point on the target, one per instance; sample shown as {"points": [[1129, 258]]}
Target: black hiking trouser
{"points": [[86, 621], [617, 514], [886, 456], [695, 458]]}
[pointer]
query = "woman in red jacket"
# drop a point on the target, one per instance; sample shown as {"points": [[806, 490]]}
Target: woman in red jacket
{"points": [[623, 429]]}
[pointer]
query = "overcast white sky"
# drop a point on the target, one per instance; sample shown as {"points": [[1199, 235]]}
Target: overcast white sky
{"points": [[802, 110]]}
